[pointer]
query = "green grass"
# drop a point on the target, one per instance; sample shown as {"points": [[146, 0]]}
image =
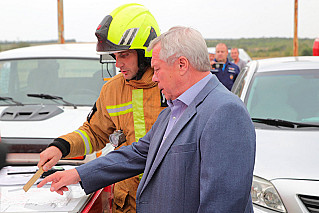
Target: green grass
{"points": [[266, 47], [255, 47]]}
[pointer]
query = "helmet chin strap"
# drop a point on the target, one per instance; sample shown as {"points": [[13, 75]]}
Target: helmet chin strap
{"points": [[143, 64], [138, 75]]}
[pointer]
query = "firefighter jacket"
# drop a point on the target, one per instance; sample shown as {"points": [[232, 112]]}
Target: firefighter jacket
{"points": [[131, 106]]}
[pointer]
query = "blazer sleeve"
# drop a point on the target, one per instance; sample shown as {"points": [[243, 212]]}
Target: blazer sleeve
{"points": [[117, 165], [227, 148]]}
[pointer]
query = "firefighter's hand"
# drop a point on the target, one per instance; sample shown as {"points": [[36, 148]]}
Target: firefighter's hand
{"points": [[60, 180], [49, 157]]}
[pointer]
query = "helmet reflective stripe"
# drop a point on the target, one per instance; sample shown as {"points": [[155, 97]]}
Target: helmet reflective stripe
{"points": [[86, 140], [121, 109], [138, 113], [128, 36]]}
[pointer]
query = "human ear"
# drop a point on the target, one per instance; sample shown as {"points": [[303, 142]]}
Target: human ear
{"points": [[183, 64]]}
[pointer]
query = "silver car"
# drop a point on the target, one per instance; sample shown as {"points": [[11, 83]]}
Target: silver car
{"points": [[282, 97]]}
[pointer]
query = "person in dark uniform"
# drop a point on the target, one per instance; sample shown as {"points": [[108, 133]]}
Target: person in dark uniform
{"points": [[225, 71]]}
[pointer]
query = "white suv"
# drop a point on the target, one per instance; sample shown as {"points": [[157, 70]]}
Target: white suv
{"points": [[47, 91]]}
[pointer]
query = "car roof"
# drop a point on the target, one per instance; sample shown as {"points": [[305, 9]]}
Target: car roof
{"points": [[72, 50], [287, 63]]}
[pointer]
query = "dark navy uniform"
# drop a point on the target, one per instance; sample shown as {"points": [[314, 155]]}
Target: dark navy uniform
{"points": [[226, 74]]}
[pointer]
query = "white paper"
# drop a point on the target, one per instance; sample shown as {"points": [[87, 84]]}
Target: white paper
{"points": [[20, 179], [15, 199]]}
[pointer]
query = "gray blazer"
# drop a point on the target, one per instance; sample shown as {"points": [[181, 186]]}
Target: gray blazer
{"points": [[205, 164]]}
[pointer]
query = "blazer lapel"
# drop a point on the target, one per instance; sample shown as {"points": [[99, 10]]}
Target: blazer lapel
{"points": [[188, 114], [158, 136], [155, 156], [158, 155]]}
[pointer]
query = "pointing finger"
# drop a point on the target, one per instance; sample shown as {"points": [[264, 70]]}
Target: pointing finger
{"points": [[46, 180]]}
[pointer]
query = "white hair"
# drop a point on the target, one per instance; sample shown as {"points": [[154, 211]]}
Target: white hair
{"points": [[183, 41]]}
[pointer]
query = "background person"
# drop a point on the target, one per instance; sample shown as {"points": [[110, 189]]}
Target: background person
{"points": [[234, 53], [211, 55], [195, 158], [130, 101], [227, 72]]}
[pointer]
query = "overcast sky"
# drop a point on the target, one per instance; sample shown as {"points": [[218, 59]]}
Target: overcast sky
{"points": [[30, 20]]}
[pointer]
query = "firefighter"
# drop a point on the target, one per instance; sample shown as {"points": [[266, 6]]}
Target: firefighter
{"points": [[128, 104]]}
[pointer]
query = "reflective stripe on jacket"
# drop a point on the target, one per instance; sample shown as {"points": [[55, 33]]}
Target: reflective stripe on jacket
{"points": [[132, 106]]}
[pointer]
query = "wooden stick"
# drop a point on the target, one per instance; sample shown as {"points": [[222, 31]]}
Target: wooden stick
{"points": [[34, 178]]}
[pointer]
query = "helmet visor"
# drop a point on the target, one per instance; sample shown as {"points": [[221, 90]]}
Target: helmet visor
{"points": [[107, 47]]}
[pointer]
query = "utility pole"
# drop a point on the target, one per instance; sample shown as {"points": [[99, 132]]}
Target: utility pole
{"points": [[60, 22], [295, 49]]}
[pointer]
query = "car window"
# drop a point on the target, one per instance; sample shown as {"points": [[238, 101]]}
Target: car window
{"points": [[287, 95], [240, 82], [78, 81]]}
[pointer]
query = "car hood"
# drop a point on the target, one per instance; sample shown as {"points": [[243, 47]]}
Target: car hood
{"points": [[65, 122], [287, 154]]}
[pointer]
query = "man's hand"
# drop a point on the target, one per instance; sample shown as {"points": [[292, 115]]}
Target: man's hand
{"points": [[49, 157], [60, 180]]}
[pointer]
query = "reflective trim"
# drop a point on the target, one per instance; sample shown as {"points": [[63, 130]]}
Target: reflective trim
{"points": [[128, 36], [138, 113], [138, 117], [231, 71], [86, 140], [120, 109]]}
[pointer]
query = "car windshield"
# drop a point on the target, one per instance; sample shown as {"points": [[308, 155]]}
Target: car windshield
{"points": [[287, 95], [77, 81]]}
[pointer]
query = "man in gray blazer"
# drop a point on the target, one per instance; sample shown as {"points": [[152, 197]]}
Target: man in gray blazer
{"points": [[199, 154]]}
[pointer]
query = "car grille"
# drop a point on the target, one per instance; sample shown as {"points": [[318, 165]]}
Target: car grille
{"points": [[311, 203]]}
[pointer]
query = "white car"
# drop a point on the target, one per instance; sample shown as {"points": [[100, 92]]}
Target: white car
{"points": [[282, 97], [47, 91]]}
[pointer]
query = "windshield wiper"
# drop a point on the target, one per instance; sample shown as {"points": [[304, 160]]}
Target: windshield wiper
{"points": [[11, 99], [279, 122], [51, 97]]}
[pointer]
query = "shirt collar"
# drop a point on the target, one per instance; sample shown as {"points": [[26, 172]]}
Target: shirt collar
{"points": [[227, 61], [189, 95]]}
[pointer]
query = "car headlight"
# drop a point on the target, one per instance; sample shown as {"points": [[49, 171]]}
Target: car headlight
{"points": [[263, 193]]}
